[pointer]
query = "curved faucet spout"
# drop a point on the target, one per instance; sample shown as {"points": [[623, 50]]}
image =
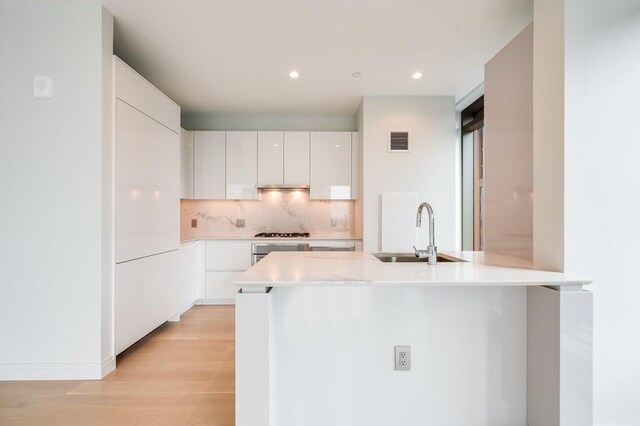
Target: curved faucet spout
{"points": [[432, 250]]}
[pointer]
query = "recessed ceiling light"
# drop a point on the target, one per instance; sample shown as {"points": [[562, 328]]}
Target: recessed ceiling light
{"points": [[275, 144], [356, 75], [336, 146], [294, 74], [416, 75]]}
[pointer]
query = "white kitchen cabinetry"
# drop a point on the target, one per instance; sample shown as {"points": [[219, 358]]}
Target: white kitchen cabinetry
{"points": [[242, 165], [270, 158], [296, 158], [133, 89], [154, 273], [330, 161], [224, 262], [147, 185], [209, 165], [186, 163], [152, 290]]}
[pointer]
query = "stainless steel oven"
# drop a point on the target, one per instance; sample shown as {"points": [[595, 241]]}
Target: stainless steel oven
{"points": [[260, 250]]}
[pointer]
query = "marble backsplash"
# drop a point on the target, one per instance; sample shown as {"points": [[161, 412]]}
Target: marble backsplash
{"points": [[276, 211]]}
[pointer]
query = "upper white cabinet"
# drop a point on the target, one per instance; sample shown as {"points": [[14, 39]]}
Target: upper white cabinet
{"points": [[133, 89], [242, 165], [330, 165], [270, 158], [209, 165], [233, 165], [186, 163], [296, 158]]}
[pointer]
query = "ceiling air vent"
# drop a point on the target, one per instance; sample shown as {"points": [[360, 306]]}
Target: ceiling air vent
{"points": [[398, 141]]}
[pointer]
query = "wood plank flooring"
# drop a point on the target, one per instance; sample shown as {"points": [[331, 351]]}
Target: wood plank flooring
{"points": [[181, 374]]}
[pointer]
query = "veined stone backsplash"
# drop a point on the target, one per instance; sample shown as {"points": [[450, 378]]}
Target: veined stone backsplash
{"points": [[276, 211]]}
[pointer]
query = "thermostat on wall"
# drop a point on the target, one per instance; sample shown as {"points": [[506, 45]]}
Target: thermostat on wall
{"points": [[42, 87]]}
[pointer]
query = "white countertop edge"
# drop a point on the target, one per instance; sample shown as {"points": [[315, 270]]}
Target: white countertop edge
{"points": [[362, 269]]}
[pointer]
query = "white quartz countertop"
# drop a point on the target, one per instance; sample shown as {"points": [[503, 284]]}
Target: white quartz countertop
{"points": [[313, 237], [295, 269]]}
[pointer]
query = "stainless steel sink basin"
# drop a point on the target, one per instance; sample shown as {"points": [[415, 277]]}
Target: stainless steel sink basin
{"points": [[411, 258]]}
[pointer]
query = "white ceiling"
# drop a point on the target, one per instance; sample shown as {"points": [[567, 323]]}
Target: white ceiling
{"points": [[234, 56]]}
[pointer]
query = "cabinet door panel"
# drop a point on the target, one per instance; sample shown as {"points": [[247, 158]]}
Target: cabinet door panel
{"points": [[136, 91], [330, 174], [270, 158], [228, 256], [296, 158], [186, 140], [148, 292], [220, 286], [242, 165], [147, 185], [209, 165]]}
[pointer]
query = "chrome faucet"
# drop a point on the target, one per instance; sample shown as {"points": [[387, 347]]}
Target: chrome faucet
{"points": [[432, 251]]}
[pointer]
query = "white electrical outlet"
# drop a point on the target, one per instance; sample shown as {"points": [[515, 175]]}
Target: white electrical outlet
{"points": [[403, 358]]}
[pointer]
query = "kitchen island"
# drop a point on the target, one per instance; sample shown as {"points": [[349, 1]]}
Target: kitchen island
{"points": [[490, 344]]}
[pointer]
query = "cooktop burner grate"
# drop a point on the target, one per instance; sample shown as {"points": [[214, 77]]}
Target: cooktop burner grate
{"points": [[282, 235]]}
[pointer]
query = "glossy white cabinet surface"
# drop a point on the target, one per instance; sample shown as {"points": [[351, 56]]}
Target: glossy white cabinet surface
{"points": [[219, 286], [135, 90], [296, 158], [228, 256], [242, 165], [147, 185], [150, 291], [224, 262], [330, 172], [186, 163], [270, 158], [209, 165]]}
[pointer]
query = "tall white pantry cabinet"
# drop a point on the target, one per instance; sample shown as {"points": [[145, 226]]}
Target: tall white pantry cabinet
{"points": [[152, 279]]}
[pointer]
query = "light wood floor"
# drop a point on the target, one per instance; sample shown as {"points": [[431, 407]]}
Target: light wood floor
{"points": [[181, 374]]}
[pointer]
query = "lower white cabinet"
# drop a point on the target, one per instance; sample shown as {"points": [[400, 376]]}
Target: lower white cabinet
{"points": [[219, 264], [219, 286], [152, 290]]}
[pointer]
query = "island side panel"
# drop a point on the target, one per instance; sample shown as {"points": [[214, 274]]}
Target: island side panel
{"points": [[255, 396], [560, 357], [334, 356]]}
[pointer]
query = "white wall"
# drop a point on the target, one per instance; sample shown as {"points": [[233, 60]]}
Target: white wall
{"points": [[508, 149], [51, 182], [602, 185], [428, 170], [268, 122]]}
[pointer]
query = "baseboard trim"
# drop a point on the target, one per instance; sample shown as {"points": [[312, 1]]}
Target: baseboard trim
{"points": [[108, 365], [57, 371], [215, 302]]}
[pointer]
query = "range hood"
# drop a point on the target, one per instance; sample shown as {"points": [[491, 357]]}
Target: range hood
{"points": [[283, 187]]}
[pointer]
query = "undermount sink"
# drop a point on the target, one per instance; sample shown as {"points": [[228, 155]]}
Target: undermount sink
{"points": [[411, 258]]}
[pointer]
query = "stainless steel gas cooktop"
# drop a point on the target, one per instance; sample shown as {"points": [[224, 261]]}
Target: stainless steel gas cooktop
{"points": [[282, 235]]}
